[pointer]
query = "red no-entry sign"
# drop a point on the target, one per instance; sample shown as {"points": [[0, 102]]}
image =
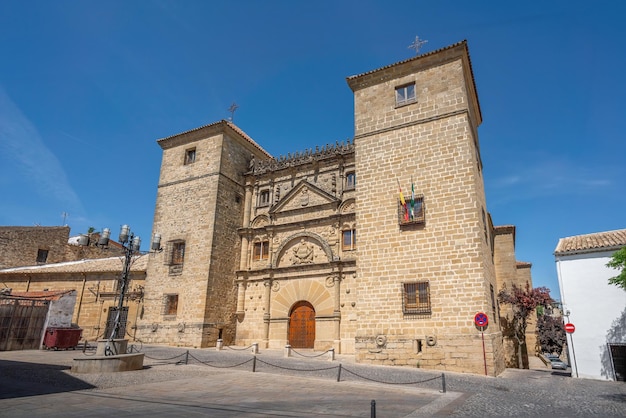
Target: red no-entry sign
{"points": [[569, 328]]}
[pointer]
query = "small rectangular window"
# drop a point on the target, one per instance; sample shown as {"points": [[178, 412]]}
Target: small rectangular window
{"points": [[350, 181], [349, 240], [190, 156], [42, 256], [170, 304], [416, 298], [264, 198], [261, 250], [178, 253], [405, 94]]}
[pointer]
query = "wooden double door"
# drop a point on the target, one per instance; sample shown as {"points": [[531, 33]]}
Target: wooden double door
{"points": [[302, 325]]}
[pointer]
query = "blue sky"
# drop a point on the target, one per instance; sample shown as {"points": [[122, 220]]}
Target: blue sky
{"points": [[87, 87]]}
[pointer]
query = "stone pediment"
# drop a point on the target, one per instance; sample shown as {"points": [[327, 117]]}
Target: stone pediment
{"points": [[304, 196]]}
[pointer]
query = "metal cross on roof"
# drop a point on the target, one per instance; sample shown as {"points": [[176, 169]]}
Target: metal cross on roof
{"points": [[417, 44], [232, 109]]}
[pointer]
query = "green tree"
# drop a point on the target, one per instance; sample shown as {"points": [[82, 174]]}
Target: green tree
{"points": [[523, 301], [618, 262]]}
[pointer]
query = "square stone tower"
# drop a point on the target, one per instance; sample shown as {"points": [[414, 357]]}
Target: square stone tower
{"points": [[424, 264], [191, 295]]}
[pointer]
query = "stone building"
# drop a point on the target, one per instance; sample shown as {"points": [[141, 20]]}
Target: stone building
{"points": [[37, 245], [262, 249], [96, 286], [511, 272]]}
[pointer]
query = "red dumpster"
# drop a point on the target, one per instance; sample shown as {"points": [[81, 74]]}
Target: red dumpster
{"points": [[62, 338]]}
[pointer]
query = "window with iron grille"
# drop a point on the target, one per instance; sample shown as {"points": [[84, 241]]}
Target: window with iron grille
{"points": [[416, 298], [261, 250], [170, 304], [413, 211], [405, 94], [348, 243], [178, 253], [175, 253]]}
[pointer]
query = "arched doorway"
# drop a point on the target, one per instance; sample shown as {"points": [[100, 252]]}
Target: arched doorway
{"points": [[302, 325]]}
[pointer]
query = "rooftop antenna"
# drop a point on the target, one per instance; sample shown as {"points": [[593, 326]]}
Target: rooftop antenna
{"points": [[64, 215], [232, 109], [417, 44]]}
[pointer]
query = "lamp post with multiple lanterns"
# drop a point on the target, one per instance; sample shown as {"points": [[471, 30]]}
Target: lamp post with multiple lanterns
{"points": [[132, 246]]}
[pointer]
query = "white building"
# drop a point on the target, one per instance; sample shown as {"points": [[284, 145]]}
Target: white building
{"points": [[597, 348]]}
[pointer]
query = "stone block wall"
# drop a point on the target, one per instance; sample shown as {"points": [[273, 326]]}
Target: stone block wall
{"points": [[19, 245], [95, 296], [199, 203], [432, 144]]}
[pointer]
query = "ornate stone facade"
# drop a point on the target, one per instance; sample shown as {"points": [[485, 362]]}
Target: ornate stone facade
{"points": [[261, 249]]}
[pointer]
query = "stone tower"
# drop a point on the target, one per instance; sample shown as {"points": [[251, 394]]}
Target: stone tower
{"points": [[424, 271], [191, 295]]}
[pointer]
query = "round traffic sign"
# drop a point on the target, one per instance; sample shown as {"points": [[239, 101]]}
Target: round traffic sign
{"points": [[480, 319], [569, 328]]}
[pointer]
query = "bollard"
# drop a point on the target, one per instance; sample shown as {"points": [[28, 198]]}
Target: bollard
{"points": [[339, 373], [331, 354], [187, 357], [255, 348], [443, 382], [219, 344], [253, 364], [287, 350], [373, 409]]}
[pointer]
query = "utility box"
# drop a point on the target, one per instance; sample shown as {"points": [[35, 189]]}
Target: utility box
{"points": [[64, 338]]}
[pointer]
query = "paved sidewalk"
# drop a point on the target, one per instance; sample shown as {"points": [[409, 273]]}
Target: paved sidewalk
{"points": [[39, 383]]}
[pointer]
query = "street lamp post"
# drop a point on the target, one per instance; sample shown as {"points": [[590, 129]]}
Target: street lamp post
{"points": [[131, 245]]}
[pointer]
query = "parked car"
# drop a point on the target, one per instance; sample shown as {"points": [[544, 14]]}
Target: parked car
{"points": [[558, 364]]}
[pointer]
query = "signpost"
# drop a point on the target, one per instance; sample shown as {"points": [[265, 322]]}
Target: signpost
{"points": [[570, 328], [481, 320]]}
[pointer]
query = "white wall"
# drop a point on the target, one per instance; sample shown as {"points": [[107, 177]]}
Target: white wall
{"points": [[597, 310]]}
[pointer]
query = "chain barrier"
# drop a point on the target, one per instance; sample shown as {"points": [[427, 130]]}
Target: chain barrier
{"points": [[390, 383], [254, 360], [206, 363], [306, 356], [164, 359], [297, 370], [239, 349]]}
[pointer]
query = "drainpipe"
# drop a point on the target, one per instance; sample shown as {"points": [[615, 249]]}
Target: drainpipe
{"points": [[80, 301]]}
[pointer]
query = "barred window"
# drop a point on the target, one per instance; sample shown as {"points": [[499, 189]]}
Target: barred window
{"points": [[178, 253], [416, 298], [175, 253], [170, 304], [261, 250]]}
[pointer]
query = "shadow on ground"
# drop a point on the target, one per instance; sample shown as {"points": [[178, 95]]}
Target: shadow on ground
{"points": [[19, 379]]}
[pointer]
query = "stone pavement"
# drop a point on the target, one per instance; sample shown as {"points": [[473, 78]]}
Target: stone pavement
{"points": [[215, 383]]}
